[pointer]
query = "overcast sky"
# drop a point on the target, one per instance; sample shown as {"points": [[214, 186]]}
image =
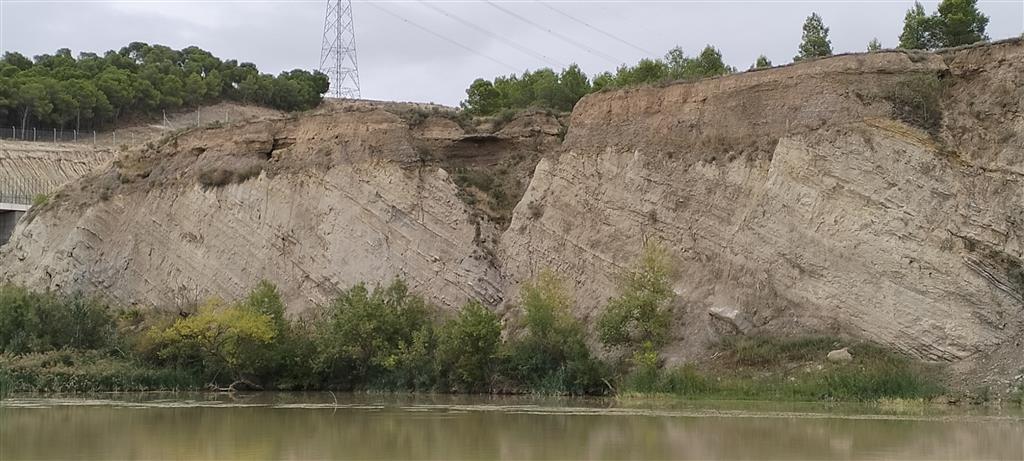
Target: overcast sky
{"points": [[398, 61]]}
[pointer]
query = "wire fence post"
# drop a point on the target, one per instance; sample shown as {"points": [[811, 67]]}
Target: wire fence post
{"points": [[34, 135], [94, 137], [114, 138], [54, 135]]}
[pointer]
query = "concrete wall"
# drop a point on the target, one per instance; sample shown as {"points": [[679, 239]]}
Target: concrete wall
{"points": [[7, 221]]}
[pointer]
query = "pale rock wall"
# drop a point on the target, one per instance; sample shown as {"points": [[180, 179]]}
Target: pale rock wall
{"points": [[791, 195]]}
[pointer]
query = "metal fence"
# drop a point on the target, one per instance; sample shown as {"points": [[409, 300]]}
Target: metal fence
{"points": [[46, 134], [23, 191]]}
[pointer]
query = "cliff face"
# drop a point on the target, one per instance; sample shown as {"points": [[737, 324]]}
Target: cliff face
{"points": [[875, 195], [314, 205], [798, 198]]}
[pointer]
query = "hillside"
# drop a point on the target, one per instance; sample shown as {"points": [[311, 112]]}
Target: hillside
{"points": [[871, 195]]}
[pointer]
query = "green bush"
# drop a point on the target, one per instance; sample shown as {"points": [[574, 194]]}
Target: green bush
{"points": [[468, 348], [641, 313], [552, 356], [369, 339], [38, 322], [287, 361], [917, 100]]}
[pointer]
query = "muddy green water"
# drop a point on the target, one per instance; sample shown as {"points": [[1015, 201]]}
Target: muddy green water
{"points": [[313, 426]]}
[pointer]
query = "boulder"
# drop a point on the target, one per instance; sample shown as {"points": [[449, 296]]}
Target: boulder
{"points": [[840, 356], [732, 317]]}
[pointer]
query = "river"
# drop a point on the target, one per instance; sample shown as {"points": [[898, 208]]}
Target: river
{"points": [[347, 426]]}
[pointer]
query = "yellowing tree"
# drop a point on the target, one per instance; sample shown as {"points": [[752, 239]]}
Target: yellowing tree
{"points": [[228, 337]]}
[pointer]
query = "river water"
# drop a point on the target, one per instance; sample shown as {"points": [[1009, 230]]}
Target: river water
{"points": [[345, 426]]}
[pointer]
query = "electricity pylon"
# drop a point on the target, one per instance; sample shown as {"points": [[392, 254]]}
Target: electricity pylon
{"points": [[338, 52]]}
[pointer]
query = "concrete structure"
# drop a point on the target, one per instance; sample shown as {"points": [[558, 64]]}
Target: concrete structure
{"points": [[10, 213]]}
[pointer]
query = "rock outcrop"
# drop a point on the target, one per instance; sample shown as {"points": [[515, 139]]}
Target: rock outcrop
{"points": [[874, 195], [800, 197], [313, 205]]}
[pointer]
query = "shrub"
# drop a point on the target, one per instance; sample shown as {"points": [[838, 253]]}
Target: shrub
{"points": [[38, 322], [40, 200], [917, 101], [552, 356], [645, 376], [215, 177], [468, 348], [640, 314], [369, 339], [229, 338]]}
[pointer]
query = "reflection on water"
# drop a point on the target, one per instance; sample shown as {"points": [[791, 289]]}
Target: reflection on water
{"points": [[322, 426]]}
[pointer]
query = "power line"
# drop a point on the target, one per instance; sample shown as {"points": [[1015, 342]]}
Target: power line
{"points": [[586, 48], [607, 34], [442, 37], [515, 45]]}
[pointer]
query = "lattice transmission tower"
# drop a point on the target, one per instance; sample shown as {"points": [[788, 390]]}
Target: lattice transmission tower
{"points": [[338, 52]]}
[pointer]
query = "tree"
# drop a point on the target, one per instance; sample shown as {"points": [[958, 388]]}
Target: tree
{"points": [[552, 354], [373, 338], [815, 42], [57, 89], [228, 337], [641, 313], [960, 23], [762, 63], [468, 348], [482, 98], [574, 86], [918, 28], [874, 45], [955, 23], [709, 63]]}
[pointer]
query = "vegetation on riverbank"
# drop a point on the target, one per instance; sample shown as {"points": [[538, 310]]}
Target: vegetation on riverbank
{"points": [[390, 339], [775, 368]]}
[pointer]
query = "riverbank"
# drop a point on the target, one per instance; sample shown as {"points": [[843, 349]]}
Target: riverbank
{"points": [[751, 369], [389, 340]]}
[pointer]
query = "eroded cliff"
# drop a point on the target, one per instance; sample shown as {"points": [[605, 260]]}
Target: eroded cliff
{"points": [[876, 195]]}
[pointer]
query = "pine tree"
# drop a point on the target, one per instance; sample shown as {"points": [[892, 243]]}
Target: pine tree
{"points": [[960, 23], [874, 45], [918, 29], [815, 41], [762, 62]]}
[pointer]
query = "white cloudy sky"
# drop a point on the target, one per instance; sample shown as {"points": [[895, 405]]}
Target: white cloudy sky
{"points": [[399, 61]]}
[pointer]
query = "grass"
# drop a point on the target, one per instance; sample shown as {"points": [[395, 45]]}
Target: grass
{"points": [[792, 369], [770, 350], [40, 200], [6, 384], [88, 371]]}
